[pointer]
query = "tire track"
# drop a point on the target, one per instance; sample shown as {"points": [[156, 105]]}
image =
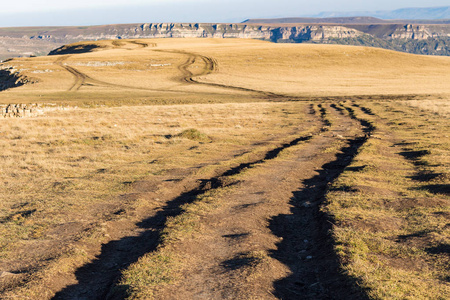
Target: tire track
{"points": [[317, 275], [96, 280], [210, 66], [119, 253], [142, 44], [221, 264], [82, 79]]}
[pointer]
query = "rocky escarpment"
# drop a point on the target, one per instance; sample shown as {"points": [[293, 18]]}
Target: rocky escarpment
{"points": [[179, 30], [197, 30], [408, 31], [313, 33], [419, 39]]}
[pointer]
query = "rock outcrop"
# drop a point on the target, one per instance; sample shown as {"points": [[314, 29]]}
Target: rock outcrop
{"points": [[20, 110], [10, 78], [313, 33], [197, 30]]}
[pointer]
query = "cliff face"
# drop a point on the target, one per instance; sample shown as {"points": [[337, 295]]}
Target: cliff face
{"points": [[420, 32], [420, 39], [171, 30], [299, 33], [408, 31], [315, 33]]}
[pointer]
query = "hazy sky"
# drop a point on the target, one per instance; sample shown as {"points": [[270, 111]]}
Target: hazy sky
{"points": [[90, 12]]}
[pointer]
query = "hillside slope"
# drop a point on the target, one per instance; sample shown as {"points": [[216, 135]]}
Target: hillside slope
{"points": [[148, 70], [289, 169]]}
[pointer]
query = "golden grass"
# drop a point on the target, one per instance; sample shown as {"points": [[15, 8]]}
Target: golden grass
{"points": [[61, 174], [391, 212], [128, 73], [438, 106], [321, 70]]}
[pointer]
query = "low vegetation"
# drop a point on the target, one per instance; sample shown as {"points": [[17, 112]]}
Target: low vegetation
{"points": [[67, 173], [391, 205], [168, 140]]}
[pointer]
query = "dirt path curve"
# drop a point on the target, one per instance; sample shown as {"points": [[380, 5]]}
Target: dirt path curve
{"points": [[82, 79], [210, 66], [268, 240], [130, 240]]}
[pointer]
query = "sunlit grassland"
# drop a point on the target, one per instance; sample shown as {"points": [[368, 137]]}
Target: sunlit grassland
{"points": [[128, 73], [391, 206], [320, 70], [440, 107], [62, 175]]}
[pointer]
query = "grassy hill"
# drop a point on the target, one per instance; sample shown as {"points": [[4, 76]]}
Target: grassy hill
{"points": [[224, 168], [152, 70]]}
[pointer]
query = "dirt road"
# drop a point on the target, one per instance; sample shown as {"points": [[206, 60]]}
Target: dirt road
{"points": [[266, 240]]}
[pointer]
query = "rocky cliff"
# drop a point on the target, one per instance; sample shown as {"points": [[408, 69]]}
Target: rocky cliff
{"points": [[180, 30], [421, 39]]}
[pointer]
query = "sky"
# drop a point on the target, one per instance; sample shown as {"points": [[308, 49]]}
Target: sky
{"points": [[97, 12]]}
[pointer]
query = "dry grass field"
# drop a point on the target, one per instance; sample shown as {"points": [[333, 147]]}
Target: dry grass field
{"points": [[145, 72], [226, 169]]}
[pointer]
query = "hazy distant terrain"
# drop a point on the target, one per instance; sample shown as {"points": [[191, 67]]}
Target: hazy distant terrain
{"points": [[345, 20], [413, 30], [431, 39], [430, 13]]}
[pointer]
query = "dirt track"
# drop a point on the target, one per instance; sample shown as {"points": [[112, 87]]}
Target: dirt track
{"points": [[286, 191], [210, 65], [82, 79], [274, 209]]}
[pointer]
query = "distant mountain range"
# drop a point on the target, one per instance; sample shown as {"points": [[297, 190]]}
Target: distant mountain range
{"points": [[344, 20], [430, 15], [427, 13]]}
